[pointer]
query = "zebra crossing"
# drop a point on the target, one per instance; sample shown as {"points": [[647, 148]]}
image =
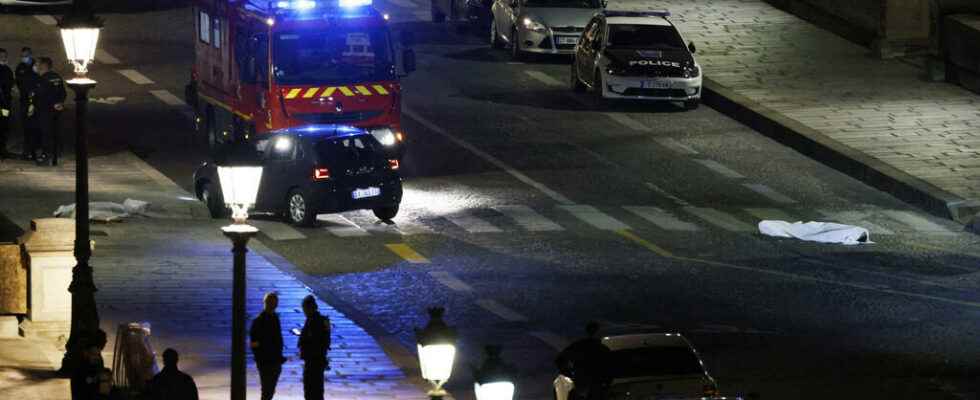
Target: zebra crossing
{"points": [[504, 219]]}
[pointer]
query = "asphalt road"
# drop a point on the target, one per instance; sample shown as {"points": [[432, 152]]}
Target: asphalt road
{"points": [[530, 210]]}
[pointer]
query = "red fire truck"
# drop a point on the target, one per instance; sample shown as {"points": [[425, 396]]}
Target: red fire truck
{"points": [[265, 66]]}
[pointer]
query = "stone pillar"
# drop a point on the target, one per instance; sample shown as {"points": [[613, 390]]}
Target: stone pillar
{"points": [[13, 289], [904, 28], [49, 246]]}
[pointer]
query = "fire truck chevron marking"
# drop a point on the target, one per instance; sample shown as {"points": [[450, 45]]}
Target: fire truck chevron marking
{"points": [[328, 91], [346, 91], [381, 90], [311, 92], [363, 90], [293, 93]]}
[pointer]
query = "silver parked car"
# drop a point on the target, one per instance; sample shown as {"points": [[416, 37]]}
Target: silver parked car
{"points": [[540, 26]]}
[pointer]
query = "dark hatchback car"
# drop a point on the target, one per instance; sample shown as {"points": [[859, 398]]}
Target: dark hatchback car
{"points": [[314, 170]]}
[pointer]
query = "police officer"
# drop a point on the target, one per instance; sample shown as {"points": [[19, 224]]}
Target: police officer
{"points": [[6, 101], [26, 79], [49, 101], [314, 342], [266, 343]]}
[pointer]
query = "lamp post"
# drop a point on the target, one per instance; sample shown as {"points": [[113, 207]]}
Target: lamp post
{"points": [[494, 380], [239, 186], [80, 35], [437, 351]]}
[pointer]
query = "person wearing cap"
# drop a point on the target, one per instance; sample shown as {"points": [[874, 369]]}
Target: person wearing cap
{"points": [[26, 80], [49, 101]]}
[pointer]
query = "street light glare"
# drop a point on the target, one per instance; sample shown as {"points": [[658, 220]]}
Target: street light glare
{"points": [[239, 186], [494, 391], [436, 361], [80, 44]]}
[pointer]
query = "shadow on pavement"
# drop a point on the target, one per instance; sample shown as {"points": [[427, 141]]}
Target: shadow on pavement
{"points": [[9, 231]]}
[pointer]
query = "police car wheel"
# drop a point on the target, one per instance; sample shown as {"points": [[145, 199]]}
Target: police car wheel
{"points": [[577, 85], [495, 41], [298, 209], [386, 213], [691, 104], [212, 199], [515, 46]]}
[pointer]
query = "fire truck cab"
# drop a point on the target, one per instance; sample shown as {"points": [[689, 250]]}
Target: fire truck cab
{"points": [[264, 66]]}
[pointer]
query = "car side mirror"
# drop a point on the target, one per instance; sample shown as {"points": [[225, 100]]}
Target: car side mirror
{"points": [[408, 60], [690, 46]]}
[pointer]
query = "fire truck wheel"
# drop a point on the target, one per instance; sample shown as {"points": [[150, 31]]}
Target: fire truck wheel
{"points": [[212, 199], [386, 213], [437, 16], [299, 211]]}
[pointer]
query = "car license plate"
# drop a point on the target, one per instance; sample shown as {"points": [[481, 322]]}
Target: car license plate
{"points": [[658, 84], [567, 39], [365, 193]]}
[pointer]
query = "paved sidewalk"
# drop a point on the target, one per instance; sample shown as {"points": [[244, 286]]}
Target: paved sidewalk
{"points": [[877, 120], [174, 271]]}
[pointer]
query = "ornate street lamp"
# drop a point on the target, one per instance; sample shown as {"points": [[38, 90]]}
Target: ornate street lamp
{"points": [[80, 34], [494, 380], [239, 186], [437, 351]]}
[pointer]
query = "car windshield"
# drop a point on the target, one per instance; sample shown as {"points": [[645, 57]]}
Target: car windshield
{"points": [[644, 37], [562, 3], [349, 151], [340, 55], [653, 361]]}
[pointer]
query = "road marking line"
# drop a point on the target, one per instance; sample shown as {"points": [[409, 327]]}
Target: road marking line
{"points": [[662, 219], [407, 253], [720, 219], [277, 230], [554, 341], [46, 19], [471, 223], [135, 76], [792, 276], [660, 251], [859, 218], [918, 222], [628, 122], [168, 98], [450, 281], [675, 199], [719, 168], [104, 57], [592, 216], [528, 218], [544, 78], [343, 227], [769, 193], [487, 157], [771, 214], [677, 146], [500, 310]]}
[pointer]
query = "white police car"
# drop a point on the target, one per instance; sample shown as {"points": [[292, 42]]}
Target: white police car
{"points": [[636, 55]]}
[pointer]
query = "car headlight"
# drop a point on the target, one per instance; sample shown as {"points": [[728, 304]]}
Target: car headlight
{"points": [[692, 72], [385, 136], [534, 26]]}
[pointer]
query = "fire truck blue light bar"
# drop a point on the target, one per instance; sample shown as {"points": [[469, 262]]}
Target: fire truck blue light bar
{"points": [[354, 3]]}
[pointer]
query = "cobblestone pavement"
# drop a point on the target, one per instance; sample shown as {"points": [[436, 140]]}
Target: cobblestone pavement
{"points": [[882, 108], [174, 271]]}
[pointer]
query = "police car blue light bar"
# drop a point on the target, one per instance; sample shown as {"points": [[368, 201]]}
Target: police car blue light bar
{"points": [[354, 3], [650, 13], [296, 5]]}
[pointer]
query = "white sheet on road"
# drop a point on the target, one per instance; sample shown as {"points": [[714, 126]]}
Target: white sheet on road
{"points": [[823, 232], [105, 211]]}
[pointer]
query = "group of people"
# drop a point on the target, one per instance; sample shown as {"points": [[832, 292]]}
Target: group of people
{"points": [[41, 99], [267, 346]]}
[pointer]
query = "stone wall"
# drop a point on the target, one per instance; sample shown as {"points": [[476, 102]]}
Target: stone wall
{"points": [[856, 20], [13, 280]]}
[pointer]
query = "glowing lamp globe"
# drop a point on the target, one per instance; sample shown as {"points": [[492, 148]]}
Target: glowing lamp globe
{"points": [[437, 351], [494, 380], [239, 187], [80, 35]]}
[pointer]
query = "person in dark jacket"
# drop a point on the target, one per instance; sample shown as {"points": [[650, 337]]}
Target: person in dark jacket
{"points": [[6, 101], [314, 342], [266, 343], [585, 362], [171, 383], [26, 80], [49, 102]]}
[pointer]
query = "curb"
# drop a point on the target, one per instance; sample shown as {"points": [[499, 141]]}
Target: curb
{"points": [[822, 148]]}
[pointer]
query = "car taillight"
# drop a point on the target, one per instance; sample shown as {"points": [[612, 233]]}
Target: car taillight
{"points": [[394, 164], [320, 173]]}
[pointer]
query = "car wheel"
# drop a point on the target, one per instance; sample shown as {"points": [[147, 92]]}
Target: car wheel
{"points": [[299, 211], [213, 201], [692, 104], [577, 85], [437, 15], [515, 46], [386, 213], [495, 41]]}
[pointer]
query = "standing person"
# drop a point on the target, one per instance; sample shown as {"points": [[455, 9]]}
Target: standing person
{"points": [[314, 342], [266, 343], [585, 361], [49, 102], [6, 101], [171, 383], [26, 79]]}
